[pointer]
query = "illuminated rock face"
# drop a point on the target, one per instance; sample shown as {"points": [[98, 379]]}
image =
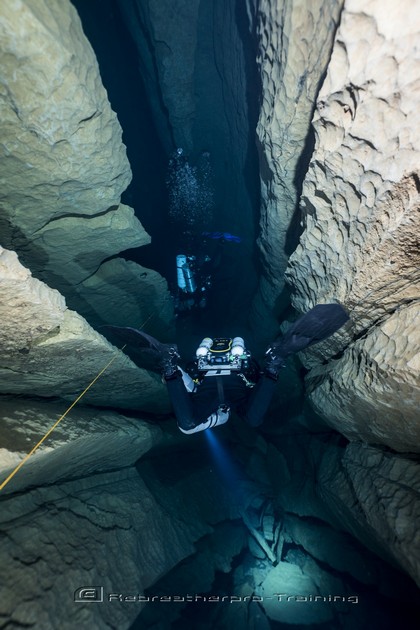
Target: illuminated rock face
{"points": [[48, 350], [361, 214], [81, 519], [372, 393], [63, 165], [86, 442], [62, 142], [295, 41]]}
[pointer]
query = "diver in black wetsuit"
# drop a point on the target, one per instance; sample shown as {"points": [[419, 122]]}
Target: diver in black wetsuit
{"points": [[226, 377], [218, 388]]}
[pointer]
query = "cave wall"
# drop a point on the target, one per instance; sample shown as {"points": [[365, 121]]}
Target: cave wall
{"points": [[64, 168], [49, 351], [198, 61], [360, 245], [295, 41], [167, 61], [322, 483], [376, 495], [117, 529], [106, 503]]}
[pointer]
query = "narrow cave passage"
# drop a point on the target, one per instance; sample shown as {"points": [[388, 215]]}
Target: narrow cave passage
{"points": [[221, 100], [233, 286], [290, 524]]}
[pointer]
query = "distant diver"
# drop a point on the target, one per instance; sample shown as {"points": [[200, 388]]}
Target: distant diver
{"points": [[193, 278], [224, 376], [195, 271]]}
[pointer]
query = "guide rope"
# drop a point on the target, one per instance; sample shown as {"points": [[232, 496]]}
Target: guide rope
{"points": [[55, 425]]}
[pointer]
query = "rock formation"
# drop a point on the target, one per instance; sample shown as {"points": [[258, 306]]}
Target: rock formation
{"points": [[54, 536], [49, 351], [63, 165], [298, 538], [86, 442], [295, 41], [167, 62], [372, 392], [361, 214], [114, 510], [377, 495]]}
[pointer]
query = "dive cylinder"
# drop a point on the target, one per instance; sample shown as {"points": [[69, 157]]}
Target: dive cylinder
{"points": [[204, 347], [184, 274], [238, 347]]}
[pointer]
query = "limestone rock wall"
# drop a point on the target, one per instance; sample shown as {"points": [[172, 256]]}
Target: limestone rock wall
{"points": [[50, 351], [377, 495], [63, 165], [375, 385], [323, 495], [369, 492], [295, 41], [122, 528], [86, 442], [167, 63], [361, 214]]}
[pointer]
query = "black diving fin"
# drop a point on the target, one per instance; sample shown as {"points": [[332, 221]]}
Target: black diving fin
{"points": [[322, 321], [143, 349]]}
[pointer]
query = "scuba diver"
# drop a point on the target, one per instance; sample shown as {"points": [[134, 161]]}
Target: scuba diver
{"points": [[194, 273], [224, 377]]}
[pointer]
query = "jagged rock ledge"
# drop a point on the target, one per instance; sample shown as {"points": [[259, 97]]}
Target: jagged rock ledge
{"points": [[49, 351]]}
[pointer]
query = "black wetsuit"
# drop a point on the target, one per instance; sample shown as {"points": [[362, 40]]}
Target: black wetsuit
{"points": [[192, 409]]}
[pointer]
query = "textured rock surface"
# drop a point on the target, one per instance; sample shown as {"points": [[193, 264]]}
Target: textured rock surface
{"points": [[295, 41], [377, 495], [214, 553], [369, 493], [169, 70], [140, 296], [290, 579], [63, 165], [54, 539], [375, 385], [362, 220], [87, 441], [61, 143], [87, 243], [48, 350], [316, 517]]}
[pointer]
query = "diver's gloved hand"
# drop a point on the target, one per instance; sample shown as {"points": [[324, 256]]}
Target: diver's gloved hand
{"points": [[275, 360], [169, 360]]}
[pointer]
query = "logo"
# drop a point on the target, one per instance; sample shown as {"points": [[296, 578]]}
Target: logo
{"points": [[92, 594]]}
